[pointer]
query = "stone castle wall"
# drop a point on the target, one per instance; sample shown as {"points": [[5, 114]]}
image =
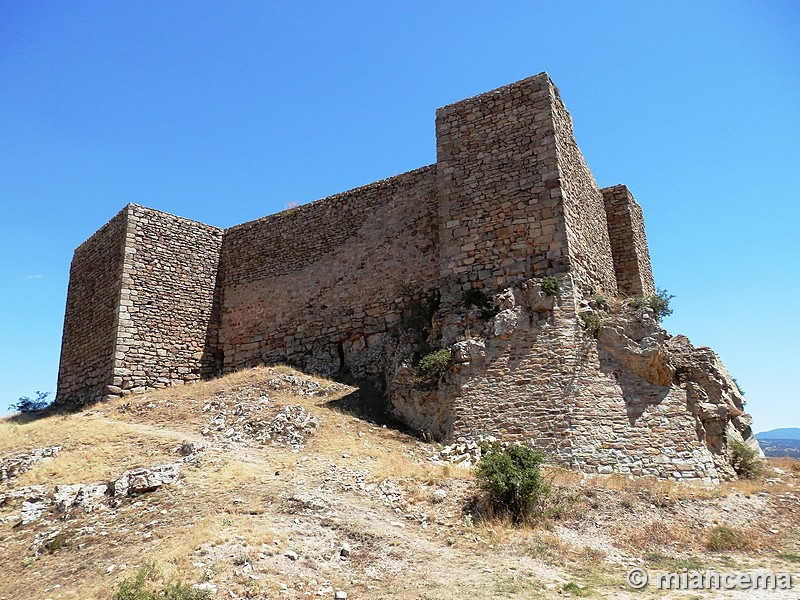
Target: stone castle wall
{"points": [[589, 247], [540, 377], [319, 285], [500, 210], [628, 242], [90, 323], [168, 315]]}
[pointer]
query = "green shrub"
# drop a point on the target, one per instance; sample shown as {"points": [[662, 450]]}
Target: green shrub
{"points": [[721, 539], [601, 301], [136, 588], [792, 557], [58, 542], [550, 285], [745, 460], [435, 364], [592, 322], [575, 589], [512, 477], [27, 405], [738, 387], [658, 302]]}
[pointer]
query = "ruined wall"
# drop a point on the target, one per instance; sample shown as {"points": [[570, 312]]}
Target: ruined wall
{"points": [[623, 423], [320, 285], [167, 319], [500, 208], [540, 377], [628, 242], [589, 251], [88, 343]]}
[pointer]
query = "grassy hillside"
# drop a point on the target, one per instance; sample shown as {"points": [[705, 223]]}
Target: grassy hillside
{"points": [[305, 501]]}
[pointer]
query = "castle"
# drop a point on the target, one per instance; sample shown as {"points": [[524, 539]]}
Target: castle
{"points": [[449, 256]]}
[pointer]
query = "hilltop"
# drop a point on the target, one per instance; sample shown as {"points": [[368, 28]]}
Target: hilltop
{"points": [[783, 433], [262, 484]]}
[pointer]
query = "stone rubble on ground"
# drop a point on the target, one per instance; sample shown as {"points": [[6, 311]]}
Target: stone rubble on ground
{"points": [[17, 465], [465, 452], [304, 386], [259, 422], [34, 501]]}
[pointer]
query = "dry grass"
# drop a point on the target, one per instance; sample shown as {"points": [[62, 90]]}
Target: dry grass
{"points": [[235, 502], [658, 534], [791, 465], [722, 538], [93, 449]]}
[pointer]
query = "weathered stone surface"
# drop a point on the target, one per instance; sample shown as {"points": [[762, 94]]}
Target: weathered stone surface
{"points": [[140, 481], [17, 465], [89, 497]]}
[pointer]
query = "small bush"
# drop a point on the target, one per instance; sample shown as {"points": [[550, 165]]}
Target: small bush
{"points": [[738, 387], [745, 460], [600, 301], [435, 364], [792, 557], [550, 285], [512, 477], [575, 589], [721, 539], [658, 302], [592, 322], [58, 542], [136, 589], [27, 405]]}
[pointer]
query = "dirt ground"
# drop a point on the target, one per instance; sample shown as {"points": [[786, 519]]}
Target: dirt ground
{"points": [[307, 501]]}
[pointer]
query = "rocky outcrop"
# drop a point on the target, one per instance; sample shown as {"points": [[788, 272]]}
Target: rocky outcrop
{"points": [[635, 338], [140, 481], [17, 465], [36, 500], [598, 383]]}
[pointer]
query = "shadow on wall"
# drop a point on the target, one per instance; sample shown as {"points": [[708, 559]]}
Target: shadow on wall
{"points": [[639, 394], [211, 362]]}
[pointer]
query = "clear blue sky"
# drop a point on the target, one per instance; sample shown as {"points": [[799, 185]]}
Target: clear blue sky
{"points": [[226, 111]]}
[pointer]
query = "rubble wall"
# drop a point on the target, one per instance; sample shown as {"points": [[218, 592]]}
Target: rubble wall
{"points": [[628, 242], [166, 332], [90, 320], [320, 285]]}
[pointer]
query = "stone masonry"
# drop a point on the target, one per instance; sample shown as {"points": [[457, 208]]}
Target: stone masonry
{"points": [[460, 256]]}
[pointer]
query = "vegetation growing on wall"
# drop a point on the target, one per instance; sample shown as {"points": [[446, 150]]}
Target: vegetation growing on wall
{"points": [[550, 285], [658, 302]]}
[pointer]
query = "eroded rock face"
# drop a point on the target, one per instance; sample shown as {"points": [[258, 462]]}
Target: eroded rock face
{"points": [[636, 339], [639, 343], [625, 397], [420, 405]]}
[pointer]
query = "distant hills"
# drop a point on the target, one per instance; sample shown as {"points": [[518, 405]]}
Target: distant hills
{"points": [[784, 433], [784, 441]]}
